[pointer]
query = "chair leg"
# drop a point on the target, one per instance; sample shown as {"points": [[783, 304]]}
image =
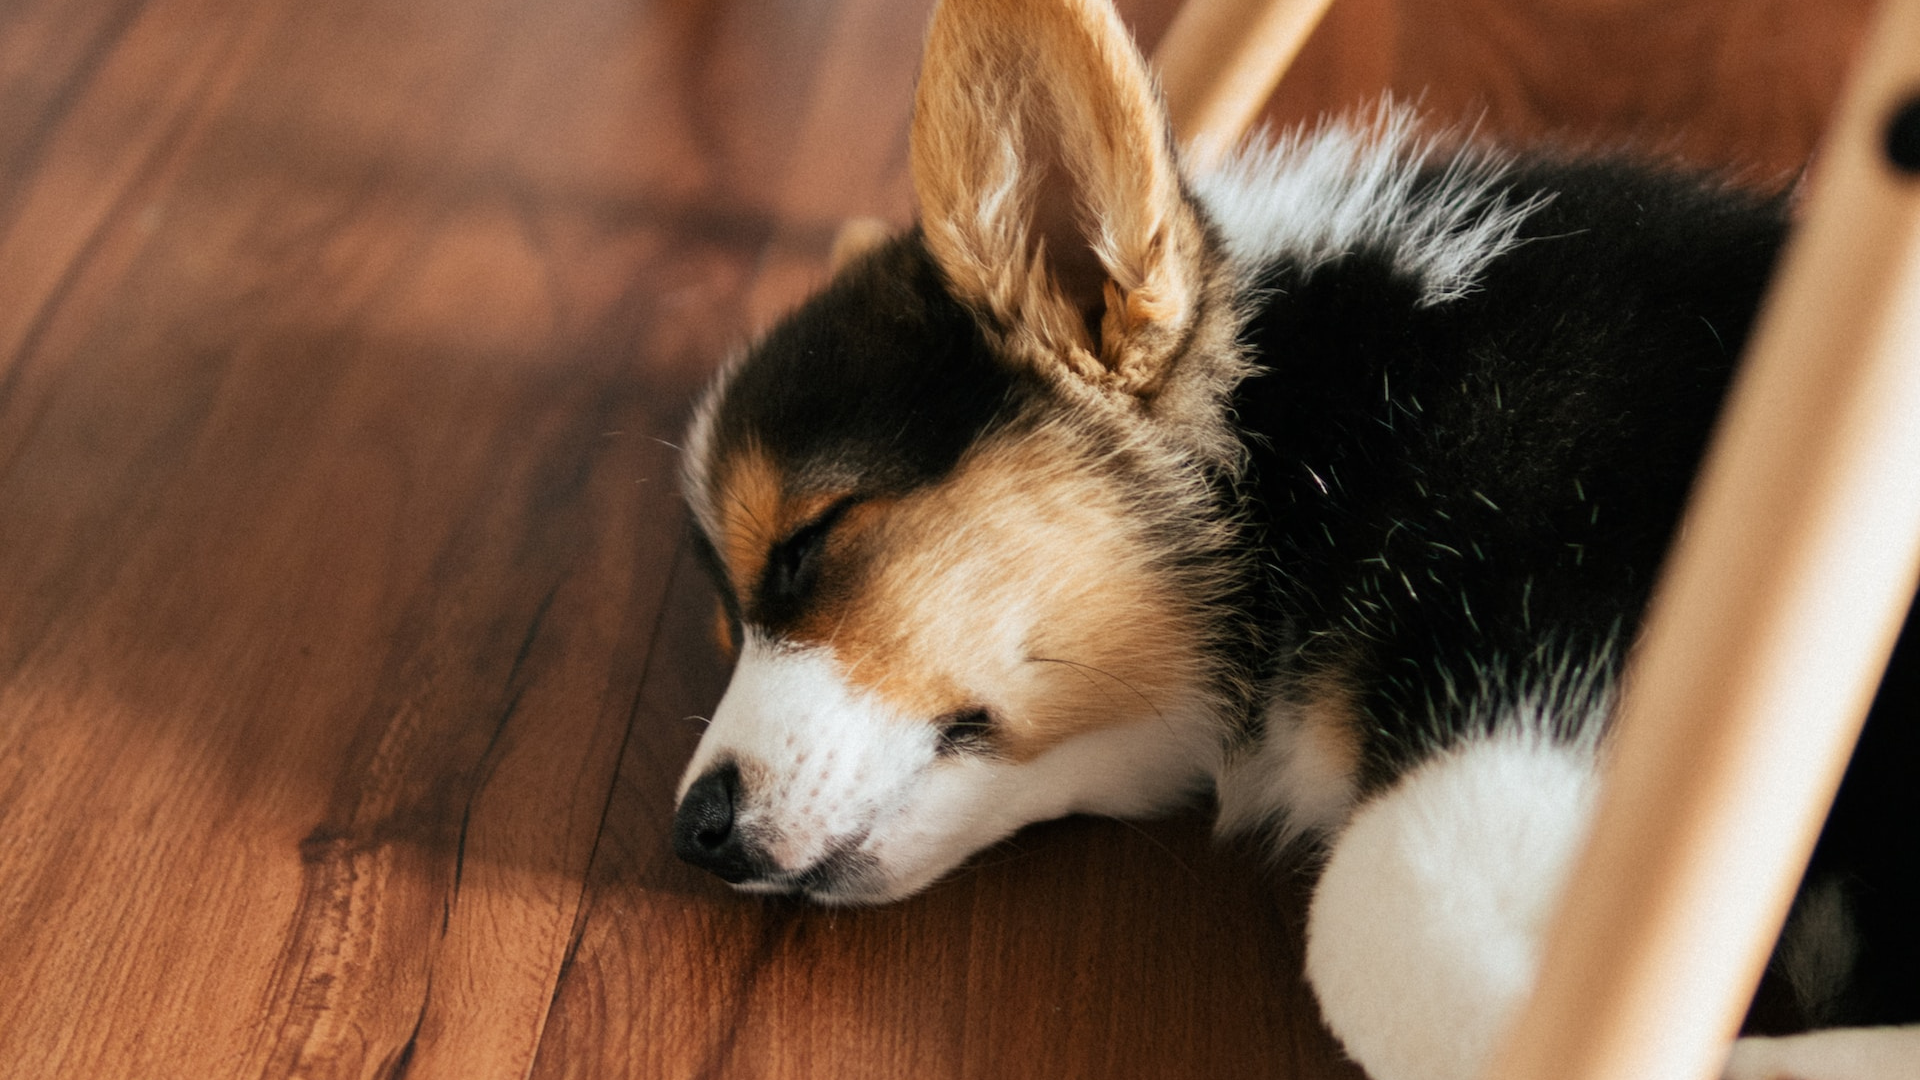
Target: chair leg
{"points": [[1770, 628], [1220, 61]]}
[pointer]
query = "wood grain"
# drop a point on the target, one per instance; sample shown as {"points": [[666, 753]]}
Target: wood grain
{"points": [[348, 646]]}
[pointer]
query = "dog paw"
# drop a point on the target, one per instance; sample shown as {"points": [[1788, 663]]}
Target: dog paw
{"points": [[1424, 932]]}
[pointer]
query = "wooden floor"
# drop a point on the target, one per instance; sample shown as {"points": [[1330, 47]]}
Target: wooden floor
{"points": [[349, 644]]}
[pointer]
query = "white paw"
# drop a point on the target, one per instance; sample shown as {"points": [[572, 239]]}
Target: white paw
{"points": [[1425, 929]]}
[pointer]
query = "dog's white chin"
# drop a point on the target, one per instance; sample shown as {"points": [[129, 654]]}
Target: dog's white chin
{"points": [[966, 805]]}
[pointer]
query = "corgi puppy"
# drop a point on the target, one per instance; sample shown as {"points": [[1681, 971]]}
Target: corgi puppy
{"points": [[1331, 483]]}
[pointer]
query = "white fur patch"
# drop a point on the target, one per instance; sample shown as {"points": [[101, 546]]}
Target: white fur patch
{"points": [[819, 763], [1883, 1053], [1314, 196], [829, 772], [696, 458], [1129, 770], [1425, 930]]}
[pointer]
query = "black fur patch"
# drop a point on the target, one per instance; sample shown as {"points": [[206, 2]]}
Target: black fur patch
{"points": [[880, 382], [1872, 845], [1467, 502], [1464, 506]]}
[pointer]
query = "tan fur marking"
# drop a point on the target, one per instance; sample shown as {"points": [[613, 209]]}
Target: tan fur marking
{"points": [[1330, 724], [1023, 585], [747, 498], [722, 630], [756, 512]]}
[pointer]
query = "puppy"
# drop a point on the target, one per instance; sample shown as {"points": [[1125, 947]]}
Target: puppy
{"points": [[1331, 482]]}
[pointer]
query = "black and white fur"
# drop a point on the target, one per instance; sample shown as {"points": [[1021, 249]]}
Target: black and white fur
{"points": [[1415, 494]]}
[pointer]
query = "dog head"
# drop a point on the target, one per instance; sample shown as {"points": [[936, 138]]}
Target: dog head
{"points": [[962, 506]]}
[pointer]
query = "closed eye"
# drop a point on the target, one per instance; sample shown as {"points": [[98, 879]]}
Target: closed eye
{"points": [[963, 731], [793, 561]]}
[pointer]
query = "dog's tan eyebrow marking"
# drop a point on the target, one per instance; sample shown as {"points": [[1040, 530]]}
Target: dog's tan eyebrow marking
{"points": [[925, 607], [758, 513], [749, 490], [783, 579], [723, 631]]}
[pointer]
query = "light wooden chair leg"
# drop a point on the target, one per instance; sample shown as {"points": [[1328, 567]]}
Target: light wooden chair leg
{"points": [[1220, 61], [1770, 629]]}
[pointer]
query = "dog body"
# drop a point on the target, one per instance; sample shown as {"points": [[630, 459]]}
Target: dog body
{"points": [[1333, 481]]}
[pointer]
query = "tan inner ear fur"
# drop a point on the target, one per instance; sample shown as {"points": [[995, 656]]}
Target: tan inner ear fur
{"points": [[1023, 584], [1011, 93]]}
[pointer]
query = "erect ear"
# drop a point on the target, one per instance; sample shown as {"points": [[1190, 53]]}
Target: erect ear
{"points": [[1049, 194]]}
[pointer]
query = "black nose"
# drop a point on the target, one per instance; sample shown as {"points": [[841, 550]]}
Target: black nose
{"points": [[703, 832]]}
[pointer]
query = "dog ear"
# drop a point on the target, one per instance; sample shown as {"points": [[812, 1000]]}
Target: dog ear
{"points": [[1049, 193]]}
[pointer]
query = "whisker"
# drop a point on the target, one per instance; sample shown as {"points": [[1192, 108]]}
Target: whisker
{"points": [[1084, 668], [1165, 848]]}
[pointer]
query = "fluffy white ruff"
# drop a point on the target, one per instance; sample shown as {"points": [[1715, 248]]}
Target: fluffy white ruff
{"points": [[1425, 930], [1316, 195], [1884, 1053]]}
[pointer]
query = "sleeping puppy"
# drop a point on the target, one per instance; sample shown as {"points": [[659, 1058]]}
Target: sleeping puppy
{"points": [[1331, 482]]}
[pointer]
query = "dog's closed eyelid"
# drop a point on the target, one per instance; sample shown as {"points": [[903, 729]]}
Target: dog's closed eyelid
{"points": [[790, 559], [968, 730]]}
